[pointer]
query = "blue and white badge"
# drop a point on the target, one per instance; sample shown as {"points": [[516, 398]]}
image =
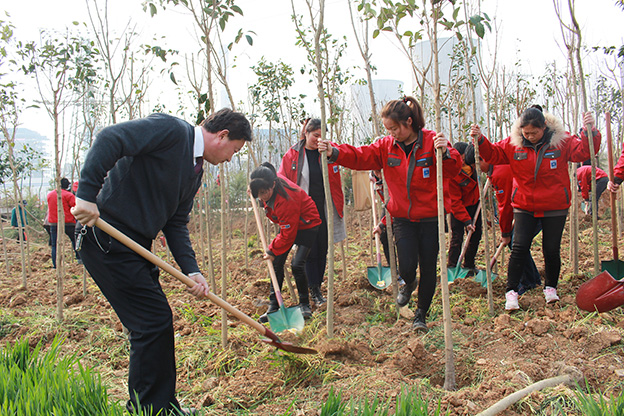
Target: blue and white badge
{"points": [[425, 173], [285, 226], [553, 164], [335, 168]]}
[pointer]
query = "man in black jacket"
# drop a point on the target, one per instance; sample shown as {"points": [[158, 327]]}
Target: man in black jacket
{"points": [[141, 176]]}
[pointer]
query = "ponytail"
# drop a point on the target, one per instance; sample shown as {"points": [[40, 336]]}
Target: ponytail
{"points": [[264, 177], [400, 110]]}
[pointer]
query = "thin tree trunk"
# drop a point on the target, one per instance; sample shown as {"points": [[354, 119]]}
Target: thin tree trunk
{"points": [[201, 211], [329, 205], [449, 373], [224, 337], [592, 156], [488, 269], [211, 273], [246, 215], [4, 249]]}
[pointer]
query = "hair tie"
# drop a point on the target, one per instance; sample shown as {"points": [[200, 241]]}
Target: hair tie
{"points": [[405, 99]]}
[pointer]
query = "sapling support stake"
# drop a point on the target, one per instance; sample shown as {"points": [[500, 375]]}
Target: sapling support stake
{"points": [[449, 373]]}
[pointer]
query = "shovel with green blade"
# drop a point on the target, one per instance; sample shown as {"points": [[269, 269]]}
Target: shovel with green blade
{"points": [[481, 277], [458, 272], [285, 318], [380, 277], [271, 339]]}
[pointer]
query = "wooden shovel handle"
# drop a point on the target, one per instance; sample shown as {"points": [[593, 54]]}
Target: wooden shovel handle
{"points": [[614, 227], [148, 255], [374, 206], [498, 251], [476, 217], [276, 289]]}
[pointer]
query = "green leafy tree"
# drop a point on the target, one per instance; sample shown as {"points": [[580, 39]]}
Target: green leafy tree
{"points": [[61, 64], [11, 105]]}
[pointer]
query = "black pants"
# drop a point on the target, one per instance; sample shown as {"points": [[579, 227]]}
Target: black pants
{"points": [[457, 238], [601, 185], [304, 239], [524, 229], [70, 232], [383, 239], [317, 259], [131, 285], [530, 275], [417, 246]]}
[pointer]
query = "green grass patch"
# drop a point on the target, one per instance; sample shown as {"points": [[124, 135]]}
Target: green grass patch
{"points": [[36, 383]]}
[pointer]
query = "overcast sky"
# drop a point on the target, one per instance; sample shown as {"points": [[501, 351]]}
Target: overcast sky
{"points": [[528, 29]]}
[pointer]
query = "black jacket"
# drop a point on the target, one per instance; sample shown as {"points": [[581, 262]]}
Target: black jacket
{"points": [[141, 174]]}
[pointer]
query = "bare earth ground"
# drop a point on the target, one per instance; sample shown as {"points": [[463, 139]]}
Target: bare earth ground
{"points": [[372, 354]]}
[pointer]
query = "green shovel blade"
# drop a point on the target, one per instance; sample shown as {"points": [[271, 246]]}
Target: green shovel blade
{"points": [[380, 277], [614, 267], [457, 272], [286, 319], [481, 277]]}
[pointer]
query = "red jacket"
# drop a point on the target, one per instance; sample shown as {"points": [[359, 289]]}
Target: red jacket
{"points": [[501, 180], [68, 199], [541, 181], [291, 169], [583, 175], [464, 193], [411, 181], [297, 212], [618, 171]]}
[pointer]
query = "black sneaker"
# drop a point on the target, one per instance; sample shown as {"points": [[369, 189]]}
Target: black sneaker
{"points": [[405, 294], [419, 323], [305, 310], [264, 318], [317, 296]]}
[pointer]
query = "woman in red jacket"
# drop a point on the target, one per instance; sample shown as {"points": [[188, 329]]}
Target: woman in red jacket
{"points": [[502, 184], [294, 211], [618, 174], [538, 152], [408, 158], [301, 165], [583, 175]]}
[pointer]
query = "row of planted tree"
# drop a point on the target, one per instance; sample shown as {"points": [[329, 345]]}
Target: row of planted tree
{"points": [[90, 76]]}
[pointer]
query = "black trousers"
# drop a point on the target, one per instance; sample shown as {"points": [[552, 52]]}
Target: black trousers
{"points": [[457, 239], [317, 259], [70, 231], [304, 240], [601, 185], [131, 285], [524, 230], [417, 246]]}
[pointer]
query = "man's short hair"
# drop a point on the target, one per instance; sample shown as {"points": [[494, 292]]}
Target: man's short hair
{"points": [[226, 119]]}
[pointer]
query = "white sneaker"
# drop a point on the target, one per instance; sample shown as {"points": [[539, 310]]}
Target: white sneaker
{"points": [[511, 303], [550, 293]]}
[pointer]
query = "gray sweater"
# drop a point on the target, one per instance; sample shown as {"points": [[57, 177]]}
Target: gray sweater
{"points": [[140, 173]]}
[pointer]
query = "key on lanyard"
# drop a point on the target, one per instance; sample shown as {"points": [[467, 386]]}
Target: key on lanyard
{"points": [[83, 232]]}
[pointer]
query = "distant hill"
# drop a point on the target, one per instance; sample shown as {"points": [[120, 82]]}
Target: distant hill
{"points": [[28, 134]]}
